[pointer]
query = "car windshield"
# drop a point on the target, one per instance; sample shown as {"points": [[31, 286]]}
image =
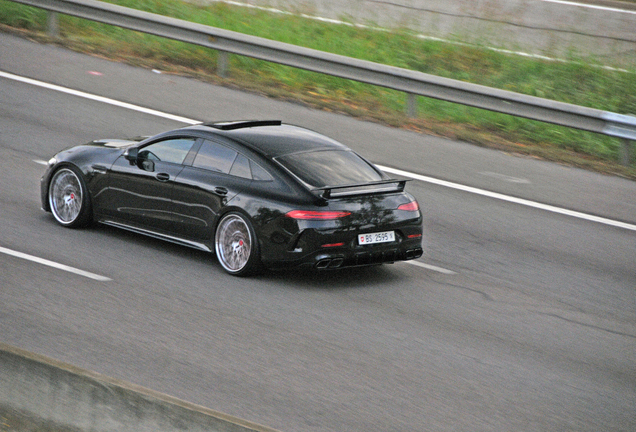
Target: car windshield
{"points": [[330, 168]]}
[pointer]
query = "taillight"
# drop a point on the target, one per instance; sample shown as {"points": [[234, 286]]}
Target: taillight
{"points": [[330, 245], [412, 206], [321, 215]]}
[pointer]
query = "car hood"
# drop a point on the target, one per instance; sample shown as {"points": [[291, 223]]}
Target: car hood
{"points": [[103, 151], [116, 143]]}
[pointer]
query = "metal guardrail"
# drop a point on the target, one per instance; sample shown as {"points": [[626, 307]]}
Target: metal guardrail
{"points": [[411, 82]]}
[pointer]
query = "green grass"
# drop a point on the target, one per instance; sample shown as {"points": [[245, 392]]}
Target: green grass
{"points": [[578, 81]]}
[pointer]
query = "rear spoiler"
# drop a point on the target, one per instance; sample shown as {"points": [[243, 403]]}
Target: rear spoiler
{"points": [[372, 188]]}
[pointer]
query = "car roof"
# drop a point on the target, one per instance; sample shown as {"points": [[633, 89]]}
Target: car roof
{"points": [[271, 137]]}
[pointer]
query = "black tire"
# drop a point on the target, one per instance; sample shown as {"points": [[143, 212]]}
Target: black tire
{"points": [[68, 198], [236, 245]]}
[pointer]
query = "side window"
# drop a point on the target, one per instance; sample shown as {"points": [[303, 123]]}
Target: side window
{"points": [[170, 150], [259, 173], [215, 157], [241, 167]]}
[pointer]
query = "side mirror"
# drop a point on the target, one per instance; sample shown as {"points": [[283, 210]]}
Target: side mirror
{"points": [[131, 155]]}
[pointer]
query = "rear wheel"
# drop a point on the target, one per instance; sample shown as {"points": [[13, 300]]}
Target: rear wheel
{"points": [[236, 245], [68, 198]]}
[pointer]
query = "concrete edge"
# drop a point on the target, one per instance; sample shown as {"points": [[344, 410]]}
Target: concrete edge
{"points": [[56, 381]]}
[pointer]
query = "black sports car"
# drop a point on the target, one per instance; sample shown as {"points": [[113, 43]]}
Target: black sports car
{"points": [[257, 193]]}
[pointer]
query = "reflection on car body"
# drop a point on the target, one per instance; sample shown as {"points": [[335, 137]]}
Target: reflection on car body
{"points": [[257, 193]]}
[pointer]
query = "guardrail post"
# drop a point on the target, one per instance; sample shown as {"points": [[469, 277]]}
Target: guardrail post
{"points": [[626, 152], [53, 25], [411, 106], [222, 64]]}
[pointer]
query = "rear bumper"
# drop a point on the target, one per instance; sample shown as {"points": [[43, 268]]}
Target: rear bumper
{"points": [[365, 258], [312, 251]]}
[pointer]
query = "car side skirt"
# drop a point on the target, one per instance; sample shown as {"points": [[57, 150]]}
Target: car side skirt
{"points": [[157, 235]]}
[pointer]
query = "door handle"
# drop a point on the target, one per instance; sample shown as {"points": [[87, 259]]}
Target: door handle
{"points": [[163, 177], [99, 169], [220, 191]]}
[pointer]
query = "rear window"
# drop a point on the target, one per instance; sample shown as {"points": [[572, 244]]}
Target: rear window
{"points": [[330, 168], [215, 157]]}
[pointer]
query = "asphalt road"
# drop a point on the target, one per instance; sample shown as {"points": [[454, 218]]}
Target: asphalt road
{"points": [[532, 327]]}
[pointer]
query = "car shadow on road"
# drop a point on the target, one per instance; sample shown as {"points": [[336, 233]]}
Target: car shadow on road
{"points": [[300, 278], [346, 278]]}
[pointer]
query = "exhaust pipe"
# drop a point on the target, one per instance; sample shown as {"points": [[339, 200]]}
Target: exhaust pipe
{"points": [[329, 263], [414, 253], [335, 263], [323, 264]]}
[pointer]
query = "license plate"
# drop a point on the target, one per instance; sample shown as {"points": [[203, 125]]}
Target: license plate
{"points": [[379, 237]]}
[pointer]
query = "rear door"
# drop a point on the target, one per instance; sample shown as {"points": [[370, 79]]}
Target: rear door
{"points": [[217, 174]]}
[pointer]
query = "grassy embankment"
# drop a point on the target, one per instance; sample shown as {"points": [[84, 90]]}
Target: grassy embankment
{"points": [[578, 81]]}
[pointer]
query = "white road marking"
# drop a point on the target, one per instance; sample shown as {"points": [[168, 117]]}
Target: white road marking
{"points": [[41, 162], [97, 98], [591, 6], [54, 264], [507, 198], [505, 177], [429, 267], [419, 177]]}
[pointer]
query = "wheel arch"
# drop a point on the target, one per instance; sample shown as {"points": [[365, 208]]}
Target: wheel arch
{"points": [[236, 209], [46, 181], [87, 217], [254, 264]]}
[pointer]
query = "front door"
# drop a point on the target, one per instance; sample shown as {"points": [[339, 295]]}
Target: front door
{"points": [[140, 192]]}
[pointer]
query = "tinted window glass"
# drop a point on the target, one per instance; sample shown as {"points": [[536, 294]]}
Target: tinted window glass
{"points": [[241, 167], [171, 150], [330, 168], [215, 157], [259, 173]]}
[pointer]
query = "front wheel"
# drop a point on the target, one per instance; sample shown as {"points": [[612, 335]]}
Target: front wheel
{"points": [[68, 198], [236, 245]]}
